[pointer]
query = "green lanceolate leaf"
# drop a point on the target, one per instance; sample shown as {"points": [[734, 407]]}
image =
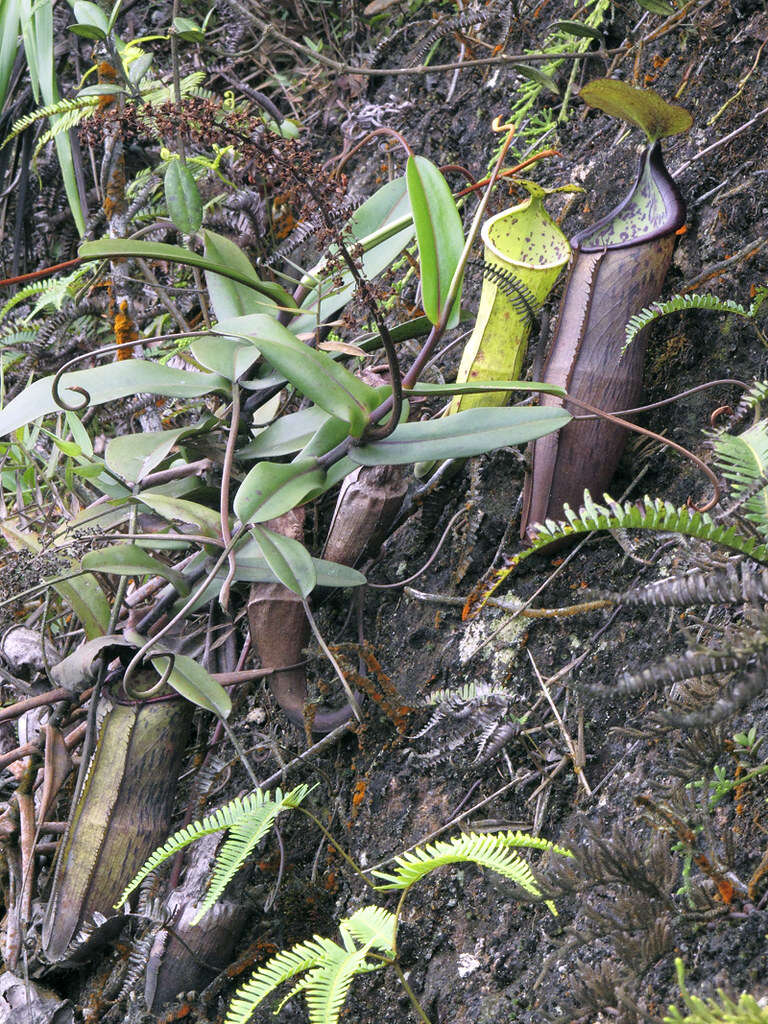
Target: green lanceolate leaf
{"points": [[184, 203], [658, 7], [134, 456], [382, 226], [228, 296], [270, 490], [439, 235], [288, 559], [642, 107], [577, 28], [537, 76], [188, 30], [460, 436], [286, 435], [192, 681], [228, 357], [315, 374], [117, 248], [205, 519], [131, 560], [107, 384]]}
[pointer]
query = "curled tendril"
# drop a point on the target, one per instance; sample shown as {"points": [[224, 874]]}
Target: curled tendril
{"points": [[86, 398], [151, 691]]}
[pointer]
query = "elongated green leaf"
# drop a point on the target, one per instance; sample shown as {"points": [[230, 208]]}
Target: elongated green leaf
{"points": [[117, 248], [534, 74], [477, 387], [131, 560], [315, 374], [288, 559], [188, 30], [107, 384], [383, 226], [228, 357], [658, 7], [270, 490], [36, 21], [9, 43], [228, 297], [286, 435], [577, 28], [251, 567], [192, 681], [133, 456], [205, 519], [457, 437], [439, 234], [184, 203], [83, 595]]}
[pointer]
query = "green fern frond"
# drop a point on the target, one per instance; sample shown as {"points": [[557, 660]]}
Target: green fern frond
{"points": [[52, 110], [743, 460], [253, 815], [155, 92], [15, 337], [679, 304], [654, 514], [70, 119], [746, 1011], [330, 968], [22, 295], [761, 294], [489, 850]]}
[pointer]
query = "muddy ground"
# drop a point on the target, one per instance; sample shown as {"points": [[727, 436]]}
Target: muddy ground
{"points": [[664, 877]]}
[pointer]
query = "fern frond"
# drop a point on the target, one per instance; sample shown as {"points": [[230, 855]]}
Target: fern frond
{"points": [[155, 92], [252, 815], [458, 21], [761, 294], [739, 582], [679, 304], [279, 968], [743, 460], [746, 1011], [749, 401], [495, 851], [373, 927], [653, 514], [70, 119], [52, 110], [22, 295], [330, 968]]}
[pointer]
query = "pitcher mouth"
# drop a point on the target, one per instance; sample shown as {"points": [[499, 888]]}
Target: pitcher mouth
{"points": [[556, 239], [653, 208]]}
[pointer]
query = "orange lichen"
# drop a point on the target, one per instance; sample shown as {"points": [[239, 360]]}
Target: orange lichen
{"points": [[126, 334]]}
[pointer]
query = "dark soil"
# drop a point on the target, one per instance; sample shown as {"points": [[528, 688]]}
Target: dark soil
{"points": [[660, 870]]}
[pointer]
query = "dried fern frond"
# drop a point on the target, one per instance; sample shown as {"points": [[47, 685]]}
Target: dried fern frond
{"points": [[447, 25], [740, 582]]}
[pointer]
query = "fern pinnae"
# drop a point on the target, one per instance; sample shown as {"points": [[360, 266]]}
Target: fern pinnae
{"points": [[653, 514], [493, 851], [682, 303], [52, 110], [256, 811]]}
